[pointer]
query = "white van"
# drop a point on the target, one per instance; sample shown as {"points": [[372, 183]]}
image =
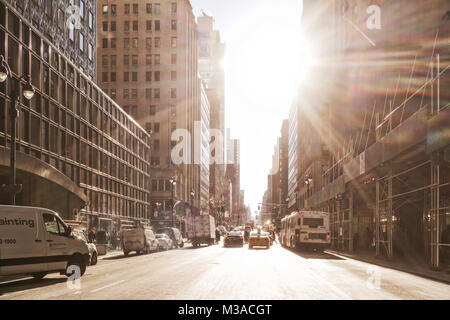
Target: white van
{"points": [[139, 240], [36, 241]]}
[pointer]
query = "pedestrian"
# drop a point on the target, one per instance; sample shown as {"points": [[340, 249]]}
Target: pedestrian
{"points": [[217, 235], [91, 235]]}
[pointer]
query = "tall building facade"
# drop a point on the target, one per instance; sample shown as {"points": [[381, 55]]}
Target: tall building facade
{"points": [[233, 175], [211, 54], [78, 152], [50, 18], [384, 181], [148, 62]]}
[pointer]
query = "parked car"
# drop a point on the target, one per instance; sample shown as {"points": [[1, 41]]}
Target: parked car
{"points": [[223, 230], [259, 238], [165, 243], [234, 238], [93, 254], [36, 241], [140, 240], [173, 234]]}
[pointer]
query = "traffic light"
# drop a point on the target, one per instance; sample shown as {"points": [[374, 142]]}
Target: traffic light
{"points": [[339, 196]]}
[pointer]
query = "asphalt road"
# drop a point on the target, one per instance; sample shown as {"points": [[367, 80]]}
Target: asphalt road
{"points": [[231, 273]]}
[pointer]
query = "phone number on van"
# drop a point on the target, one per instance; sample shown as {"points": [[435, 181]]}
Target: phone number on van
{"points": [[8, 241]]}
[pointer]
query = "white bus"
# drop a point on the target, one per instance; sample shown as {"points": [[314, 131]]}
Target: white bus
{"points": [[306, 229]]}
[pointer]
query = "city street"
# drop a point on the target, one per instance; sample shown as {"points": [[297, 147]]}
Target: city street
{"points": [[231, 273]]}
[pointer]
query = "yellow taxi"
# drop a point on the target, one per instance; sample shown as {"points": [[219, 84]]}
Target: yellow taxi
{"points": [[259, 238]]}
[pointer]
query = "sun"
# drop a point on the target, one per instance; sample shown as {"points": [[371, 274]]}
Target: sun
{"points": [[275, 61]]}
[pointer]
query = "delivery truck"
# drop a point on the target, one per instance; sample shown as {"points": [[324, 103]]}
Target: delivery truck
{"points": [[201, 230], [36, 241]]}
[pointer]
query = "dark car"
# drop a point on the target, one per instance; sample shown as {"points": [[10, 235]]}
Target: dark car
{"points": [[234, 238]]}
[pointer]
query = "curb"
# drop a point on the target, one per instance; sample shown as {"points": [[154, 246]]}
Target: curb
{"points": [[386, 265]]}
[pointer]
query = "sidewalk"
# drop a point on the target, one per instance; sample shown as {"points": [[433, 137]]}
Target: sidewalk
{"points": [[420, 269]]}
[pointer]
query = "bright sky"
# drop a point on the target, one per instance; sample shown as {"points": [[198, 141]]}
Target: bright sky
{"points": [[262, 53]]}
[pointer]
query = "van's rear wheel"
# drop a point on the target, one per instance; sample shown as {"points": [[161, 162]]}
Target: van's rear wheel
{"points": [[74, 265], [39, 275]]}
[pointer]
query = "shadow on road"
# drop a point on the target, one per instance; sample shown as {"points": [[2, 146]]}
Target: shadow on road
{"points": [[314, 254], [26, 284]]}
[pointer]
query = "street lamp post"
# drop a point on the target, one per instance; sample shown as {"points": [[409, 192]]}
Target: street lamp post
{"points": [[173, 183], [308, 180], [28, 93]]}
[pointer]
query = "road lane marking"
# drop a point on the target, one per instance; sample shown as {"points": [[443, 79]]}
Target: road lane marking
{"points": [[109, 285]]}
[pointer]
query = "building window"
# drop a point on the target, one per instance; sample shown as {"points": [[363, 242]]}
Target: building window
{"points": [[157, 59], [148, 43], [173, 110], [71, 32], [157, 8], [134, 60], [126, 43], [173, 75], [104, 76], [174, 25], [105, 9], [149, 8], [174, 8], [156, 93], [173, 93], [127, 8], [152, 110], [156, 127], [105, 26], [148, 93], [157, 76], [135, 26], [157, 42], [90, 52], [135, 8], [173, 58], [134, 93], [174, 42], [113, 43], [135, 43], [126, 76], [155, 162], [82, 10], [113, 26], [126, 60], [113, 77], [113, 9], [81, 42], [134, 76], [105, 60], [113, 61], [91, 20], [149, 25], [113, 94], [148, 76], [156, 145], [126, 93], [157, 25], [126, 26], [148, 127], [148, 59]]}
